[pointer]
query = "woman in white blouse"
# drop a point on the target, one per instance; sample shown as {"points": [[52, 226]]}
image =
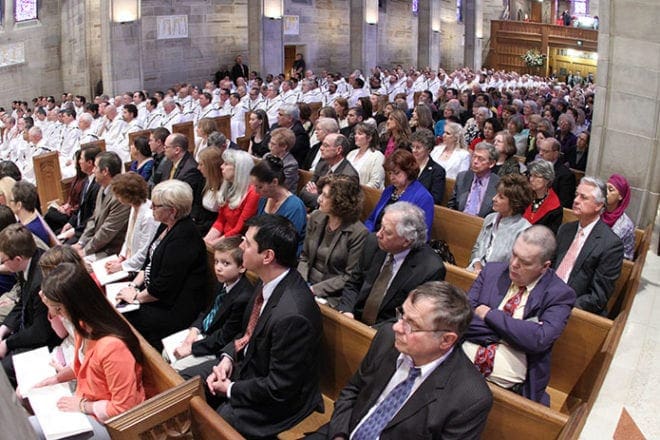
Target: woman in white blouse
{"points": [[367, 159], [452, 154], [131, 189]]}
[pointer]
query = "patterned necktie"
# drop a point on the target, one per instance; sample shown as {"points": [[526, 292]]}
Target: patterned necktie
{"points": [[210, 316], [240, 344], [485, 357], [373, 426], [378, 291], [566, 266], [474, 198], [21, 282]]}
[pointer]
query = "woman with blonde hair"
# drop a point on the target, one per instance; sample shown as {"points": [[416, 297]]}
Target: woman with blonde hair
{"points": [[209, 164], [452, 154], [237, 199], [205, 127]]}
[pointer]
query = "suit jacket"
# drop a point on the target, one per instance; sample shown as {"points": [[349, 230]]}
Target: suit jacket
{"points": [[597, 267], [573, 162], [452, 403], [178, 278], [307, 164], [159, 166], [187, 172], [86, 207], [276, 379], [343, 260], [545, 316], [462, 190], [301, 147], [105, 231], [422, 264], [433, 179], [564, 184], [227, 322], [322, 169], [28, 320]]}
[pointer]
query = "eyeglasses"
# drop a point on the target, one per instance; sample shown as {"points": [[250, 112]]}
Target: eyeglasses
{"points": [[407, 327]]}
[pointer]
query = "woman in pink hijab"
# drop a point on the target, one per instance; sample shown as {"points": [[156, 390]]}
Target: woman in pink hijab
{"points": [[618, 197]]}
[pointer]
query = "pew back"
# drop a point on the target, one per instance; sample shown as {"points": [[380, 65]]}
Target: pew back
{"points": [[188, 130], [224, 125], [48, 177]]}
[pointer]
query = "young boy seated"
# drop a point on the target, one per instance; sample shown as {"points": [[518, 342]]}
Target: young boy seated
{"points": [[221, 323]]}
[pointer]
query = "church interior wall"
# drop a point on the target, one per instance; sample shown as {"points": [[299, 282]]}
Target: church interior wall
{"points": [[397, 34], [452, 42], [41, 72]]}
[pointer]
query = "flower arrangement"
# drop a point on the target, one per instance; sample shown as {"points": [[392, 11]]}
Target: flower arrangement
{"points": [[533, 58]]}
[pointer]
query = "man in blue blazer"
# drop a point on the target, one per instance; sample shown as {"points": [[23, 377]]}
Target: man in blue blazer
{"points": [[475, 188], [520, 309]]}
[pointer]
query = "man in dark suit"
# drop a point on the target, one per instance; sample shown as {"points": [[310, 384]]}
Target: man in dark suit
{"points": [[288, 116], [354, 116], [77, 222], [333, 161], [104, 233], [475, 188], [432, 175], [564, 183], [157, 140], [181, 165], [394, 261], [239, 70], [323, 127], [589, 254], [577, 158], [26, 326], [270, 376], [520, 309], [391, 397]]}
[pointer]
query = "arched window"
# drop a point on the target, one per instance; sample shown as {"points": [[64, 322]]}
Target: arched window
{"points": [[25, 10]]}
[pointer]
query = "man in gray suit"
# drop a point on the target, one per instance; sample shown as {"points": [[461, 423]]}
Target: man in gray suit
{"points": [[105, 231], [333, 161], [475, 188]]}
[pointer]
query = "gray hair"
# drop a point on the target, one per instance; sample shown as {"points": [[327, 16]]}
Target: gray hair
{"points": [[36, 131], [327, 124], [569, 118], [234, 192], [544, 169], [451, 307], [217, 139], [290, 110], [600, 189], [492, 151], [542, 237], [532, 104], [86, 117], [411, 223], [486, 111], [174, 194]]}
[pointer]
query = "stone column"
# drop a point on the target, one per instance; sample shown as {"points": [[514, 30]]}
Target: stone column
{"points": [[265, 40], [473, 19], [121, 53], [625, 134], [428, 46], [363, 39]]}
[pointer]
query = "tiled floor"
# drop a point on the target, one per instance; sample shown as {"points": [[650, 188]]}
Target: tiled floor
{"points": [[633, 380]]}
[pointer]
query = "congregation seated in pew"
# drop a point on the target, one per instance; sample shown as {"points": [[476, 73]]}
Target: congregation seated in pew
{"points": [[520, 309]]}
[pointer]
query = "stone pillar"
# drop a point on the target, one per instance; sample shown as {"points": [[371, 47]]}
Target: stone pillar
{"points": [[265, 40], [473, 19], [428, 46], [625, 134], [121, 53], [363, 39]]}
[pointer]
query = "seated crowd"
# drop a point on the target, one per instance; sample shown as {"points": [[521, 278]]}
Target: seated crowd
{"points": [[506, 142]]}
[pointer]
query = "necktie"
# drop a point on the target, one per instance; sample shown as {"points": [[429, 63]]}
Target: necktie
{"points": [[485, 357], [373, 426], [21, 282], [474, 198], [208, 320], [566, 266], [240, 344], [378, 292]]}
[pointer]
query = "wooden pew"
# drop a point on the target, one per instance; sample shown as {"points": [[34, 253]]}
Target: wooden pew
{"points": [[243, 142], [188, 130], [314, 107], [458, 229], [449, 191], [224, 125], [48, 176], [248, 130], [137, 134]]}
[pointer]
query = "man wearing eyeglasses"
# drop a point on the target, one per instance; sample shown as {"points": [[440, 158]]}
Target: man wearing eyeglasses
{"points": [[520, 310], [414, 382]]}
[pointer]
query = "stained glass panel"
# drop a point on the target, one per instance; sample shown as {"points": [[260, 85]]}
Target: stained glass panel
{"points": [[25, 10]]}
